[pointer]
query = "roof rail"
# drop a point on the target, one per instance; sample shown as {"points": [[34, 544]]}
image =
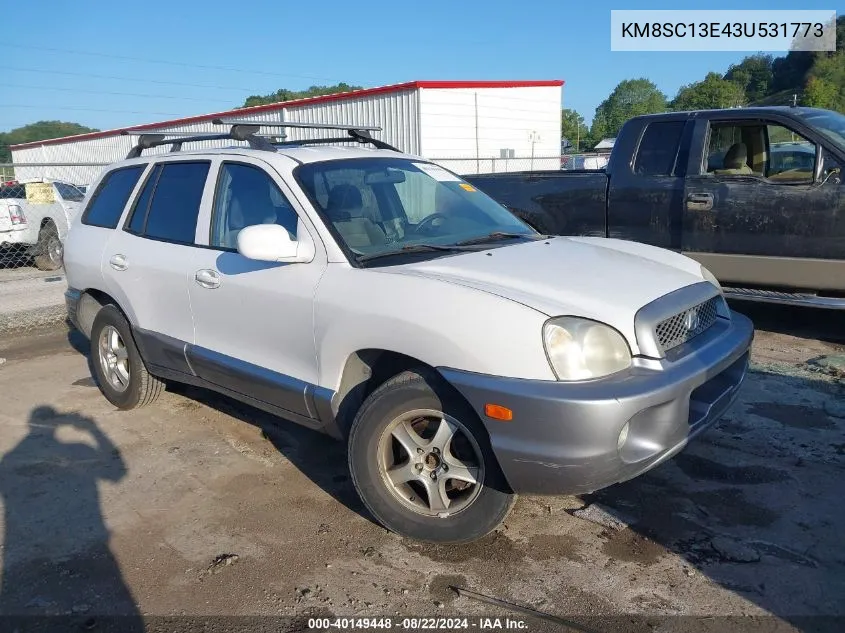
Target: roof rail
{"points": [[240, 132], [248, 131], [357, 133]]}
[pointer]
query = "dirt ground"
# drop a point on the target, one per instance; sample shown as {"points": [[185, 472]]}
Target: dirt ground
{"points": [[201, 506]]}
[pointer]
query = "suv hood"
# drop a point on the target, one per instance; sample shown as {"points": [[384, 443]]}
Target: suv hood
{"points": [[607, 280]]}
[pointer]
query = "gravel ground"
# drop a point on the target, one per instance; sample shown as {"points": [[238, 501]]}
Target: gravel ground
{"points": [[30, 298], [201, 506]]}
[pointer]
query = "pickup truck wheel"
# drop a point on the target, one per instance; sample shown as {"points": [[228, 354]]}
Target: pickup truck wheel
{"points": [[117, 365], [49, 249], [422, 463]]}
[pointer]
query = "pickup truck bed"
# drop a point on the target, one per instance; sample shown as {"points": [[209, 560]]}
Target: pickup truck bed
{"points": [[754, 194]]}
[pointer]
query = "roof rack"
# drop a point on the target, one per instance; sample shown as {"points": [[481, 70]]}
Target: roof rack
{"points": [[248, 131], [356, 133], [148, 139]]}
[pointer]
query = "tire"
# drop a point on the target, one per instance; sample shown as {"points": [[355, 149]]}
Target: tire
{"points": [[117, 365], [49, 249], [415, 400]]}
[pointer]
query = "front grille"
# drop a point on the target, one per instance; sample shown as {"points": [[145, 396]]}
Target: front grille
{"points": [[686, 325]]}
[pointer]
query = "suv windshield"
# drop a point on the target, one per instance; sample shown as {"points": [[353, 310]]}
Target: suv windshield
{"points": [[69, 192], [831, 124], [380, 206]]}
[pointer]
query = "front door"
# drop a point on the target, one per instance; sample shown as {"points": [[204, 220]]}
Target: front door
{"points": [[253, 321], [760, 210]]}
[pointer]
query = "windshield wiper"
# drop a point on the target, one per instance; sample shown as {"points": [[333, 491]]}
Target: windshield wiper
{"points": [[411, 248], [494, 237]]}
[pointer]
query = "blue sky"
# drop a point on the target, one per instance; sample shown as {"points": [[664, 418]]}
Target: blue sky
{"points": [[217, 53]]}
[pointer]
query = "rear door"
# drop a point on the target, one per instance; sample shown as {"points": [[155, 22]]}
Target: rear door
{"points": [[85, 245], [759, 208], [644, 195], [146, 265]]}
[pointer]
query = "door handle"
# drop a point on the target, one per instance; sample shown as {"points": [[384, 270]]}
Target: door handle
{"points": [[118, 262], [700, 201], [207, 278]]}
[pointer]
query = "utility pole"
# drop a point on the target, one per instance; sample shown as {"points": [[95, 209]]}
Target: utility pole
{"points": [[533, 137]]}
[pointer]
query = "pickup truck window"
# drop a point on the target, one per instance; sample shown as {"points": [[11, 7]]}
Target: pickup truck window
{"points": [[69, 192], [770, 151], [658, 148]]}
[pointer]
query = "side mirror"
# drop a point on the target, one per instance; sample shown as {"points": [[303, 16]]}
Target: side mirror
{"points": [[272, 243]]}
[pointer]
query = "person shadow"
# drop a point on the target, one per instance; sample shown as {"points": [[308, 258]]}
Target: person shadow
{"points": [[58, 570]]}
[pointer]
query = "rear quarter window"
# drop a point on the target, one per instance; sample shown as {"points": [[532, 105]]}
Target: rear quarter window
{"points": [[108, 201], [658, 148]]}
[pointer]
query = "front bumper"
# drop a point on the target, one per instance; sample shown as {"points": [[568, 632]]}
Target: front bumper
{"points": [[564, 437]]}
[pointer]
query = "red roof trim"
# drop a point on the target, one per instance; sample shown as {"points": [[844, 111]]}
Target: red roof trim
{"points": [[411, 85]]}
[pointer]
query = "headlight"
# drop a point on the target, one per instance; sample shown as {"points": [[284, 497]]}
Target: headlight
{"points": [[708, 276], [580, 349]]}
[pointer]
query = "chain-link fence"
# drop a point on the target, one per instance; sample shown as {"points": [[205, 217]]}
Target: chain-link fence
{"points": [[466, 166], [36, 207]]}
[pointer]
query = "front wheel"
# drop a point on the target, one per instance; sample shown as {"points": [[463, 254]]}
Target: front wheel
{"points": [[422, 462]]}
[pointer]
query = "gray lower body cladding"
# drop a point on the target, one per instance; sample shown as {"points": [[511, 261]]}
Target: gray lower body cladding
{"points": [[565, 437]]}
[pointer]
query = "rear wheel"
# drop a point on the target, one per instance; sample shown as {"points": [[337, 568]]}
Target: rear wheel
{"points": [[49, 249], [117, 365], [422, 462]]}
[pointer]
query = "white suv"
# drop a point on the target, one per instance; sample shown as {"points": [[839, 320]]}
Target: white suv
{"points": [[382, 299]]}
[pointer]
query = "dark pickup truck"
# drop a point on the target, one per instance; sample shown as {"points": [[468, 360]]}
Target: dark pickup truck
{"points": [[754, 194]]}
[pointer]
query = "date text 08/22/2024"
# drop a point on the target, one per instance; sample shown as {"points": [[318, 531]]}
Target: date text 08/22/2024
{"points": [[416, 624]]}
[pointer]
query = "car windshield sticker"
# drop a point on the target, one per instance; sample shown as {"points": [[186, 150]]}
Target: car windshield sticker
{"points": [[467, 187], [437, 172]]}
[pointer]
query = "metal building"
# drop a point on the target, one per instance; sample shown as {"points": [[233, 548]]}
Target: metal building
{"points": [[468, 126]]}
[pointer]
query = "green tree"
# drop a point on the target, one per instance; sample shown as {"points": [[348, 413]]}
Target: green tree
{"points": [[792, 71], [39, 131], [820, 93], [283, 94], [630, 98], [573, 128], [754, 74], [712, 92], [825, 87]]}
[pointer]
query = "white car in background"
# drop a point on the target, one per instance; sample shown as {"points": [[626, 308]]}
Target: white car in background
{"points": [[35, 216]]}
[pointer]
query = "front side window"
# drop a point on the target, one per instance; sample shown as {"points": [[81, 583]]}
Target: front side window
{"points": [[791, 157], [730, 147], [107, 204], [246, 196], [171, 213], [769, 151], [381, 205]]}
